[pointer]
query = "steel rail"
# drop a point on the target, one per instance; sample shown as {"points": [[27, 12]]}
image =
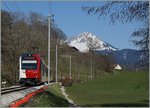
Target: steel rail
{"points": [[8, 88], [12, 89]]}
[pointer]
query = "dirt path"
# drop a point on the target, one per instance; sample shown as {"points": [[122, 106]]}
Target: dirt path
{"points": [[72, 104]]}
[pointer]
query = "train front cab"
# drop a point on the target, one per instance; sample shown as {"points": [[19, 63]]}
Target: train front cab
{"points": [[30, 70]]}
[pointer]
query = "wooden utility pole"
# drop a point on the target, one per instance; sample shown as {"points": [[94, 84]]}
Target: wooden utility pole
{"points": [[70, 66], [56, 65], [91, 70], [49, 31]]}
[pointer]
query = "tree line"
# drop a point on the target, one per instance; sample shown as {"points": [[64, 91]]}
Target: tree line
{"points": [[20, 35], [30, 34]]}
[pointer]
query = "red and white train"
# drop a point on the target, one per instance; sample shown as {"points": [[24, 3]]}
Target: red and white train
{"points": [[32, 69]]}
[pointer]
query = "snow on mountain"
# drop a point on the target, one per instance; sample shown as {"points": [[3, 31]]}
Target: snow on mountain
{"points": [[86, 41]]}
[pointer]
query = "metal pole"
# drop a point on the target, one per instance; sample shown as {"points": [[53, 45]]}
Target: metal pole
{"points": [[91, 69], [70, 66], [77, 67], [49, 31], [78, 71], [56, 64]]}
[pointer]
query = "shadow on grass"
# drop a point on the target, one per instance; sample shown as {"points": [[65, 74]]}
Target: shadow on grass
{"points": [[118, 105], [47, 99], [145, 101], [54, 100]]}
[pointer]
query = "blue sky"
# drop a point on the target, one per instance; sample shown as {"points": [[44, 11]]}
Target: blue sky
{"points": [[72, 20]]}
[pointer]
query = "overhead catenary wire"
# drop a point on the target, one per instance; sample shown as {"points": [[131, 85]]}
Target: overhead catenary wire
{"points": [[20, 11], [15, 16], [12, 14], [8, 9], [14, 26]]}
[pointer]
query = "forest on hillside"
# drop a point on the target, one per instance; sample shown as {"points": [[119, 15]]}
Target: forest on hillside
{"points": [[21, 34]]}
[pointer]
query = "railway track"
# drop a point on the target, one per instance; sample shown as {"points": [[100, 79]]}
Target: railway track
{"points": [[16, 88], [12, 89]]}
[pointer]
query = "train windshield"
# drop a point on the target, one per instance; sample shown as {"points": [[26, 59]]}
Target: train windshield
{"points": [[29, 64]]}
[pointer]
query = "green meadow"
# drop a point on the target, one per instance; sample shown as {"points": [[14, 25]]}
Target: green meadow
{"points": [[120, 89]]}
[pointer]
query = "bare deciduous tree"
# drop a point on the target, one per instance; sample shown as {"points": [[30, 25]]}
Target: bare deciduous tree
{"points": [[128, 11]]}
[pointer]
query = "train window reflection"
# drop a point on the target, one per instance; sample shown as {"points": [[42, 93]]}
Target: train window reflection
{"points": [[29, 66]]}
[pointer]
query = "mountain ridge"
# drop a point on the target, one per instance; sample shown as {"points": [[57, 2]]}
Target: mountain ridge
{"points": [[128, 58], [86, 41]]}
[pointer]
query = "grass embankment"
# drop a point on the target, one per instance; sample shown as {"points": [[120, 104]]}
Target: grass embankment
{"points": [[122, 89], [51, 97]]}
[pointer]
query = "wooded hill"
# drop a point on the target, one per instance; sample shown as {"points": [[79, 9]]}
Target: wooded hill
{"points": [[21, 34]]}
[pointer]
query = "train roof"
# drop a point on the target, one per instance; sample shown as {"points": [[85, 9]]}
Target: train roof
{"points": [[30, 54]]}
